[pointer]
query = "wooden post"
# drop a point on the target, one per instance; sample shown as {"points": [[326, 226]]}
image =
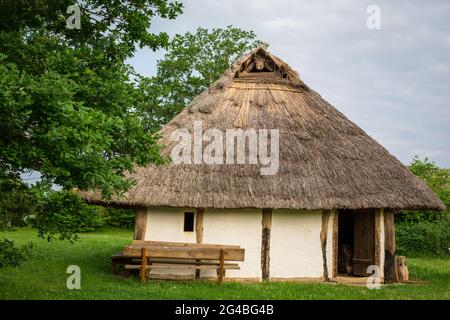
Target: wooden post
{"points": [[199, 226], [221, 266], [199, 234], [335, 242], [265, 243], [323, 242], [402, 269], [378, 218], [143, 264], [389, 247], [140, 224]]}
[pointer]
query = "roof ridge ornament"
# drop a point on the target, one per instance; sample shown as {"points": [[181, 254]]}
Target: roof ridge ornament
{"points": [[264, 45]]}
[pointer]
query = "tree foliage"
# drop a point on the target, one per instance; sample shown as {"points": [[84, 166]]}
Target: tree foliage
{"points": [[438, 180], [67, 96], [16, 202], [426, 232], [424, 237], [63, 214], [193, 61], [68, 101]]}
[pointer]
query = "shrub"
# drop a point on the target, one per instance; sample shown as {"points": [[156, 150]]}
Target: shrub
{"points": [[118, 218], [425, 237], [10, 255], [426, 232]]}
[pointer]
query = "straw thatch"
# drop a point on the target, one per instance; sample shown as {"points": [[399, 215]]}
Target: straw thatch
{"points": [[326, 161]]}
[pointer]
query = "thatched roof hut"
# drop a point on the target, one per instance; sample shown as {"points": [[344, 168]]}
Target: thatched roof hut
{"points": [[326, 161], [328, 209]]}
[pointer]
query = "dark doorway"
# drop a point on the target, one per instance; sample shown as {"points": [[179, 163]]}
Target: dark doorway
{"points": [[356, 241]]}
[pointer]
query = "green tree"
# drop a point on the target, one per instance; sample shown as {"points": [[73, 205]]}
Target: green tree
{"points": [[438, 180], [426, 232], [16, 202], [68, 98], [193, 61]]}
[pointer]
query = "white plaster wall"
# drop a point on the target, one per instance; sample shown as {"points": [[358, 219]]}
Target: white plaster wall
{"points": [[295, 244], [167, 224], [241, 227]]}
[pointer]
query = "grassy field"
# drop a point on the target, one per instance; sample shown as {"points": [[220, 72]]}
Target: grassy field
{"points": [[44, 277]]}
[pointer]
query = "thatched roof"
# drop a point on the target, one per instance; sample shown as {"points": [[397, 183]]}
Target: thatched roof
{"points": [[326, 161]]}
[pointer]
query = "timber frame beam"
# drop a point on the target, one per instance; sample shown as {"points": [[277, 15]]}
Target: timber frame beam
{"points": [[378, 235], [390, 273], [323, 242], [140, 224], [199, 233], [265, 243], [335, 243]]}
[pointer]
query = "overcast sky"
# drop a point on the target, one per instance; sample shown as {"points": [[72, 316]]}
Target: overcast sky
{"points": [[393, 82]]}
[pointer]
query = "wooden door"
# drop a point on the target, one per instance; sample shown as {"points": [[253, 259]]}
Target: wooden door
{"points": [[363, 241]]}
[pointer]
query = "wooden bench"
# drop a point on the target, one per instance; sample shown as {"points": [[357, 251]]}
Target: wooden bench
{"points": [[152, 255]]}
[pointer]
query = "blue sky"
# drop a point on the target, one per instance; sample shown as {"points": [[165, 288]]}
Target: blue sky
{"points": [[393, 82]]}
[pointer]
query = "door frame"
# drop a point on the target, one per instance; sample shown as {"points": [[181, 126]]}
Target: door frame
{"points": [[379, 235]]}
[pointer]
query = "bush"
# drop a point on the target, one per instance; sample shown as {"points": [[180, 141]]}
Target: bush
{"points": [[10, 255], [89, 219], [118, 218], [426, 232], [425, 237]]}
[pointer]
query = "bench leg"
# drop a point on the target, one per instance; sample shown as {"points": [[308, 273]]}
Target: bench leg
{"points": [[221, 269], [197, 271], [143, 265], [113, 267]]}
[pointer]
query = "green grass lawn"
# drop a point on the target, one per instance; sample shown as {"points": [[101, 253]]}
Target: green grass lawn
{"points": [[44, 277]]}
